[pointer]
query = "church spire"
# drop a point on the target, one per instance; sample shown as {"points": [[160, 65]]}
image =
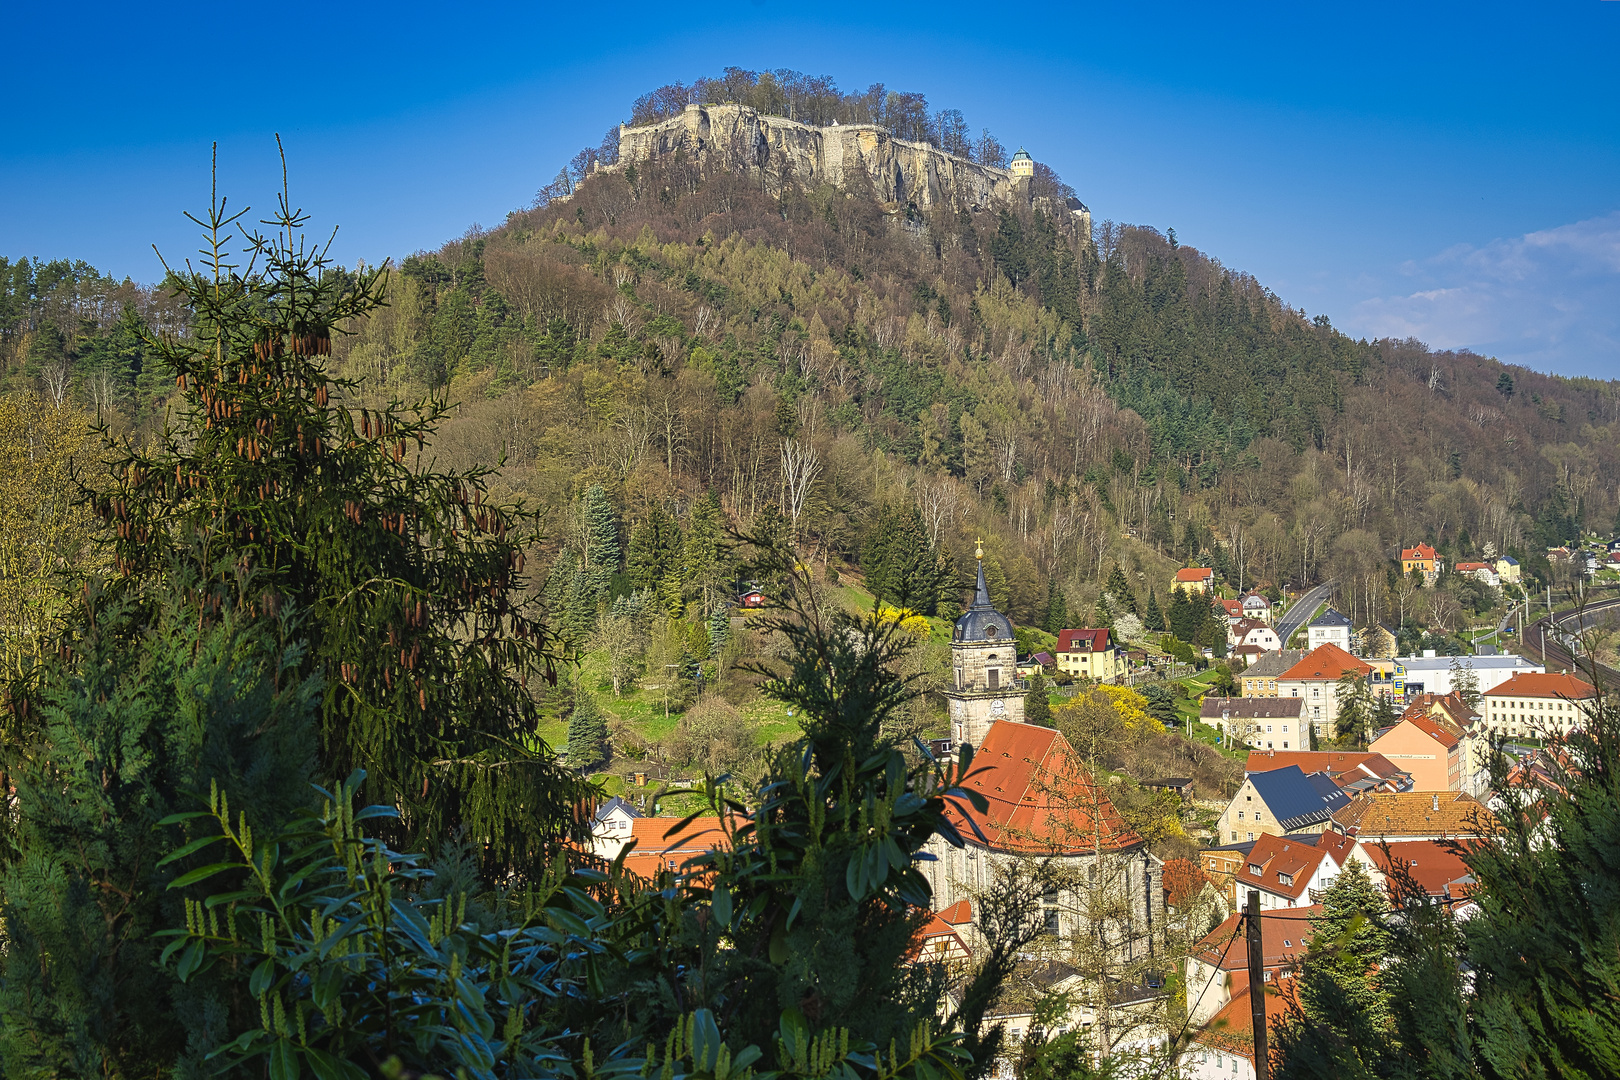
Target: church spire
{"points": [[981, 591]]}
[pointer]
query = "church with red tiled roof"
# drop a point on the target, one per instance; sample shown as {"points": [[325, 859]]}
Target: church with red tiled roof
{"points": [[1042, 803]]}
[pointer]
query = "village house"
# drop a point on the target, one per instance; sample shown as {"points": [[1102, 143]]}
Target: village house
{"points": [[1247, 633], [1536, 705], [661, 843], [938, 942], [1256, 606], [1507, 569], [1315, 680], [1233, 609], [1194, 579], [1224, 1050], [1433, 740], [1259, 679], [1413, 815], [1089, 654], [1482, 572], [1289, 871], [1330, 627], [1428, 864], [1217, 968], [1280, 802], [1422, 559], [1377, 640], [1261, 722], [1191, 899], [1351, 771]]}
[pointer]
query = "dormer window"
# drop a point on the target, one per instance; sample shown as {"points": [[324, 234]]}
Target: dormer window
{"points": [[1254, 869], [1286, 879]]}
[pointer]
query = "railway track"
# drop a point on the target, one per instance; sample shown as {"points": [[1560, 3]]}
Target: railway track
{"points": [[1542, 640]]}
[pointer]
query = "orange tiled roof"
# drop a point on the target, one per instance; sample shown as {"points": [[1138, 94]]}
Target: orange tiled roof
{"points": [[1430, 727], [1232, 1029], [958, 913], [1437, 871], [943, 938], [1326, 662], [1283, 934], [655, 851], [1344, 766], [1042, 799], [1195, 573], [1549, 685], [1412, 813], [1422, 552], [1286, 864], [1471, 567]]}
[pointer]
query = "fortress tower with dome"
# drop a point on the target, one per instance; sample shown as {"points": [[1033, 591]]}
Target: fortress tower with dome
{"points": [[984, 658]]}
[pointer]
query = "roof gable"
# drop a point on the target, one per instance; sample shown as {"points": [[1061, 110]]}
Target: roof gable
{"points": [[1326, 662]]}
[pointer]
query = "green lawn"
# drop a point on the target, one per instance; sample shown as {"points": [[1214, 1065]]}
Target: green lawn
{"points": [[1187, 710]]}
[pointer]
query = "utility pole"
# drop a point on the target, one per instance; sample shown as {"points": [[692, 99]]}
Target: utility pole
{"points": [[1257, 986]]}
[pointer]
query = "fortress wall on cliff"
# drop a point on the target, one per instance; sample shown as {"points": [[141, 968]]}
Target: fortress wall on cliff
{"points": [[779, 151]]}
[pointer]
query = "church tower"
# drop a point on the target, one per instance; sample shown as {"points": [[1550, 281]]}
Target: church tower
{"points": [[984, 656]]}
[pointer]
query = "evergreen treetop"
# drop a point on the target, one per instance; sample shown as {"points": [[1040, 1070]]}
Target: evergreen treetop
{"points": [[409, 578]]}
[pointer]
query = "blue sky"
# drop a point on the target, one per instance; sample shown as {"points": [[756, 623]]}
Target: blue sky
{"points": [[1446, 171]]}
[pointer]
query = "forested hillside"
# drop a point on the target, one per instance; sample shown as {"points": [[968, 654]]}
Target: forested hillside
{"points": [[666, 335]]}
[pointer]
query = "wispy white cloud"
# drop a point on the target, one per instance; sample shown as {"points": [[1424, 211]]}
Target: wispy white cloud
{"points": [[1548, 299]]}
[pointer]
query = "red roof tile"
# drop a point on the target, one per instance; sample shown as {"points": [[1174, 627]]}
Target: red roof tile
{"points": [[1432, 728], [1549, 685], [1437, 871], [1090, 640], [656, 851], [1422, 551], [1195, 573], [1232, 1029], [1286, 864], [1343, 766], [1326, 662], [1042, 799], [1283, 934], [958, 913]]}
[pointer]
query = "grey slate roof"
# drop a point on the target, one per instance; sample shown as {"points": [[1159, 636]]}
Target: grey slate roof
{"points": [[1296, 800], [1251, 708], [1330, 617], [1273, 664]]}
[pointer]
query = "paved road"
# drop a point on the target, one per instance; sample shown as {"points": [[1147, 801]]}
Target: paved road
{"points": [[1302, 610]]}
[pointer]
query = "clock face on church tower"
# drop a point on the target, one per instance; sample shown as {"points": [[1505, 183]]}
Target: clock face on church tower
{"points": [[998, 705]]}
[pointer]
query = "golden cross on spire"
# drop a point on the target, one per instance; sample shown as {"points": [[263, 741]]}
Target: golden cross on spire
{"points": [[978, 550]]}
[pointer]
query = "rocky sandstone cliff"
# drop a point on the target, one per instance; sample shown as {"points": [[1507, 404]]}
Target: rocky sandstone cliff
{"points": [[778, 151]]}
